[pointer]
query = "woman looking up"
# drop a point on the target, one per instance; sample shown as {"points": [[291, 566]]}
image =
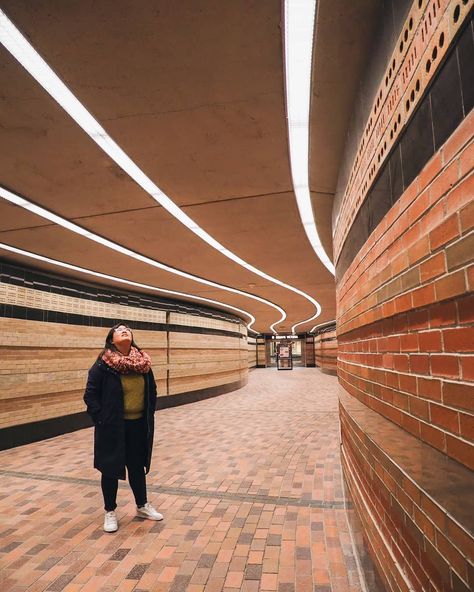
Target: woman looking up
{"points": [[120, 396]]}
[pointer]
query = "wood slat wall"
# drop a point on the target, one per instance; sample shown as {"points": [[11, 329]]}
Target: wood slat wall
{"points": [[44, 364]]}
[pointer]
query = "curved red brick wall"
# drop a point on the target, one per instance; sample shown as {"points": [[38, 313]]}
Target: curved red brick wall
{"points": [[406, 340], [405, 324], [406, 345]]}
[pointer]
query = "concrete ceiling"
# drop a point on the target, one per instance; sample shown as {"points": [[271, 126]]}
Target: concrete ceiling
{"points": [[194, 94]]}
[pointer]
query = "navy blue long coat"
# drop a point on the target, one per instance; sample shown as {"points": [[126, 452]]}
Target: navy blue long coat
{"points": [[104, 399]]}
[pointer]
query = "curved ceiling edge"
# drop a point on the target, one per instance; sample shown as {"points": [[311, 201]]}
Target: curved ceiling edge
{"points": [[43, 213], [112, 278], [29, 58]]}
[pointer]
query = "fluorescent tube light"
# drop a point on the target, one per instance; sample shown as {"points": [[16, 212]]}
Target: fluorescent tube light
{"points": [[323, 325], [112, 278], [39, 211], [299, 28], [29, 58]]}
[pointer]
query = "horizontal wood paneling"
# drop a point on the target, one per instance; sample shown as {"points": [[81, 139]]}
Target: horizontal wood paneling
{"points": [[44, 364]]}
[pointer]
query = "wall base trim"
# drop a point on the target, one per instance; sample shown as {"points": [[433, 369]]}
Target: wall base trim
{"points": [[27, 433], [198, 395]]}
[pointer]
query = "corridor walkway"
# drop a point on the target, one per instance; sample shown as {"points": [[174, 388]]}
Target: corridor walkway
{"points": [[249, 483]]}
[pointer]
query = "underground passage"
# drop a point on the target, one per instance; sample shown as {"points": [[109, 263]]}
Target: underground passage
{"points": [[236, 296]]}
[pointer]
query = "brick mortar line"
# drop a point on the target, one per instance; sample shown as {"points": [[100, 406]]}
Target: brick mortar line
{"points": [[458, 435], [244, 497], [384, 455], [366, 265]]}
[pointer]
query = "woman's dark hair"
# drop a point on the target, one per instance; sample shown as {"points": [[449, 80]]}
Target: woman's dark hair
{"points": [[109, 340]]}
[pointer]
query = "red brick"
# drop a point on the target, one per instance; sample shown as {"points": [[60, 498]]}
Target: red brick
{"points": [[429, 388], [423, 296], [433, 436], [455, 559], [445, 417], [419, 363], [401, 362], [400, 400], [460, 195], [466, 160], [419, 407], [424, 523], [411, 425], [403, 303], [460, 450], [430, 170], [466, 423], [434, 512], [467, 367], [458, 394], [444, 365], [392, 379], [460, 253], [430, 341], [444, 182], [418, 319], [450, 285], [463, 540], [433, 267], [459, 340], [407, 383], [470, 277], [466, 309], [443, 314], [412, 234], [419, 250], [399, 324], [458, 139], [466, 215], [446, 232], [399, 263], [409, 342], [388, 308]]}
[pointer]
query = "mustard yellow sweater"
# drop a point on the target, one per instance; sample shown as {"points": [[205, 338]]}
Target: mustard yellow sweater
{"points": [[133, 395]]}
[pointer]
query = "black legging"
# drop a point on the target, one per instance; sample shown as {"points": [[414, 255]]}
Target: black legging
{"points": [[135, 451]]}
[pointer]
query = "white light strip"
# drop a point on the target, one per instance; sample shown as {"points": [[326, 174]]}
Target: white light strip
{"points": [[112, 278], [39, 211], [299, 27], [28, 57], [323, 325]]}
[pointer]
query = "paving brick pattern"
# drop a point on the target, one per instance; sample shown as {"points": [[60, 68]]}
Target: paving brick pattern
{"points": [[249, 483]]}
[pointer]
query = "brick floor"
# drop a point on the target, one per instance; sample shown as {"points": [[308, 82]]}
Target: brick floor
{"points": [[249, 483]]}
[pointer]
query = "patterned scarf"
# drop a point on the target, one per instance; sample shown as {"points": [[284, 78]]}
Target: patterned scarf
{"points": [[136, 361]]}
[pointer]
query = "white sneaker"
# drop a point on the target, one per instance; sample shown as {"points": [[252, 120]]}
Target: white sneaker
{"points": [[110, 522], [148, 511]]}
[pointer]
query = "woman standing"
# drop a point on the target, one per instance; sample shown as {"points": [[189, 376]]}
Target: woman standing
{"points": [[120, 397]]}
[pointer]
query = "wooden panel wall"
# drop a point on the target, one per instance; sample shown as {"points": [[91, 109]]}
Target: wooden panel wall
{"points": [[325, 349], [44, 363], [252, 352]]}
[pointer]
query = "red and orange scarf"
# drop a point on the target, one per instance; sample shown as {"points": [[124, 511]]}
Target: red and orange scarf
{"points": [[136, 361]]}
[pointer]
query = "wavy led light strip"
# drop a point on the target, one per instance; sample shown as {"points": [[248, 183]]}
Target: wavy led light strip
{"points": [[39, 211], [299, 27], [97, 274], [29, 58], [326, 323]]}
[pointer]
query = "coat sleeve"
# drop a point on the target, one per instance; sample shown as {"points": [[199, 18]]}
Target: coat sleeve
{"points": [[93, 393], [153, 393]]}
